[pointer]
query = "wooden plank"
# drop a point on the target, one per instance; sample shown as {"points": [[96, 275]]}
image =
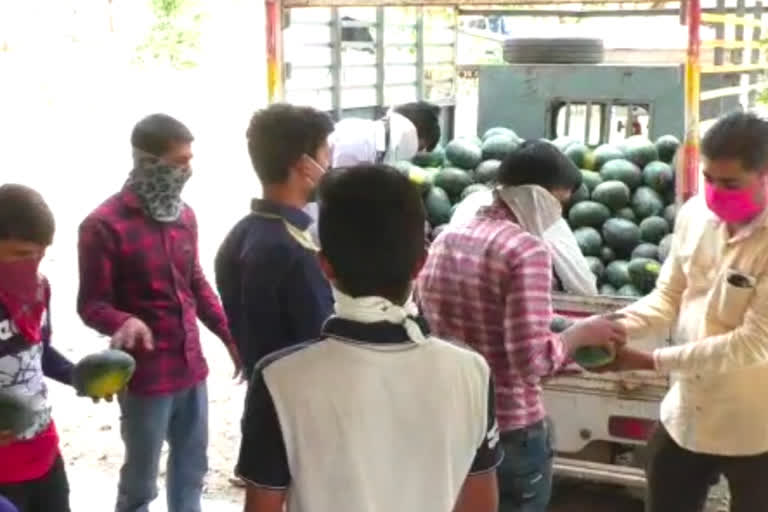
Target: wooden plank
{"points": [[729, 19], [730, 91], [733, 68]]}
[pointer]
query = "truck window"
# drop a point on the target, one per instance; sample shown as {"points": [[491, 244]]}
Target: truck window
{"points": [[599, 122]]}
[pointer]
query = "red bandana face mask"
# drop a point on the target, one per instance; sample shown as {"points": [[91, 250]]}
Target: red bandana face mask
{"points": [[23, 295]]}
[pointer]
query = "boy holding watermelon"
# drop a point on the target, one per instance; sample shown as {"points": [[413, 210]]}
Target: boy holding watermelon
{"points": [[32, 472], [713, 292]]}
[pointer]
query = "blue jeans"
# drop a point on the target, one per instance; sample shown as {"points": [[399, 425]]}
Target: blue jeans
{"points": [[181, 418], [525, 474]]}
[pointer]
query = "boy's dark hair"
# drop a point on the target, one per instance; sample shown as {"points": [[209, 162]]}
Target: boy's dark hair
{"points": [[156, 133], [371, 228], [741, 136], [280, 134], [537, 162], [425, 117], [24, 215]]}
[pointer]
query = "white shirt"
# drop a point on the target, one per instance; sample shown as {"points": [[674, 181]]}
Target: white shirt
{"points": [[540, 214], [719, 365], [355, 141], [364, 419]]}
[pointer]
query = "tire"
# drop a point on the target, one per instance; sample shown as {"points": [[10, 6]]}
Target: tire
{"points": [[553, 51]]}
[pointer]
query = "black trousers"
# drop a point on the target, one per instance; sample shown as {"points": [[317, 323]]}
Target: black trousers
{"points": [[679, 479], [49, 493]]}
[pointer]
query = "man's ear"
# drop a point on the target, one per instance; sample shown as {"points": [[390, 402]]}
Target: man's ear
{"points": [[326, 267]]}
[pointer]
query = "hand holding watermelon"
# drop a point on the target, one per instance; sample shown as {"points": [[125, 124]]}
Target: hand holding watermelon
{"points": [[103, 374], [133, 334], [595, 339]]}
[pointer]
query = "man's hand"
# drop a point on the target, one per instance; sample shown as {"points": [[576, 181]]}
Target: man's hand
{"points": [[595, 331], [627, 359], [234, 355], [6, 437], [133, 334]]}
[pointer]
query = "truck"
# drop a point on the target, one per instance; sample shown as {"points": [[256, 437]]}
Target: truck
{"points": [[356, 58]]}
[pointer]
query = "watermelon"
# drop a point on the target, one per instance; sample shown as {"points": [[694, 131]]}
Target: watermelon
{"points": [[622, 170], [626, 213], [666, 146], [596, 266], [434, 158], [577, 152], [589, 241], [617, 273], [639, 150], [487, 171], [497, 147], [643, 273], [423, 178], [607, 254], [475, 187], [593, 356], [664, 246], [563, 142], [103, 374], [646, 202], [591, 179], [614, 194], [659, 176], [646, 250], [588, 213], [621, 235], [603, 154], [670, 214], [453, 180], [581, 194], [559, 324], [16, 413], [463, 153], [607, 289], [653, 229], [438, 206], [629, 290], [500, 130]]}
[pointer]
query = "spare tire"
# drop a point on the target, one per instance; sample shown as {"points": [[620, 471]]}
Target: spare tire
{"points": [[565, 50]]}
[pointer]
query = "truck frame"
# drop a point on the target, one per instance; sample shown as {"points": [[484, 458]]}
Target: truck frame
{"points": [[411, 52]]}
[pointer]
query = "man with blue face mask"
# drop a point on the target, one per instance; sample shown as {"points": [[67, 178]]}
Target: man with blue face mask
{"points": [[142, 284]]}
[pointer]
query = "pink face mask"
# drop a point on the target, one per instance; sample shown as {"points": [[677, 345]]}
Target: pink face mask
{"points": [[734, 206]]}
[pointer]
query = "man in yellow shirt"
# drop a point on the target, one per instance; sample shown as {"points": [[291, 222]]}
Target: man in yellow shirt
{"points": [[713, 293]]}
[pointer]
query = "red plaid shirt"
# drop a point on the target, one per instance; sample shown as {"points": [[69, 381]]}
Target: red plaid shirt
{"points": [[488, 283], [131, 265]]}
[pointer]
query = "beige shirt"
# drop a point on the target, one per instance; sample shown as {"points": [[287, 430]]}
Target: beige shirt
{"points": [[718, 403]]}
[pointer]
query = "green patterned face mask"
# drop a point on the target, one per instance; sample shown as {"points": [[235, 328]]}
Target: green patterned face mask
{"points": [[158, 185]]}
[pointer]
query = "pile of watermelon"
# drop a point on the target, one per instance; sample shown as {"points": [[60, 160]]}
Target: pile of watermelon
{"points": [[622, 215]]}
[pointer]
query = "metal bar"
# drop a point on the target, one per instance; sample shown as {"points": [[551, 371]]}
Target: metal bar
{"points": [[730, 91], [380, 70], [757, 48], [588, 126], [335, 28], [732, 68], [730, 19], [567, 118], [737, 55], [608, 117], [687, 180], [724, 44], [720, 34], [630, 122], [435, 3], [274, 35], [567, 13], [599, 472], [420, 53]]}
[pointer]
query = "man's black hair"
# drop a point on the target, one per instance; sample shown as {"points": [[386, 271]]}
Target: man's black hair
{"points": [[157, 133], [741, 136], [24, 215], [280, 134], [371, 228], [537, 162], [425, 117]]}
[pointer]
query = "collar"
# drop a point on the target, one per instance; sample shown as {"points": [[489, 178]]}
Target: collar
{"points": [[498, 210], [374, 333], [294, 216]]}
